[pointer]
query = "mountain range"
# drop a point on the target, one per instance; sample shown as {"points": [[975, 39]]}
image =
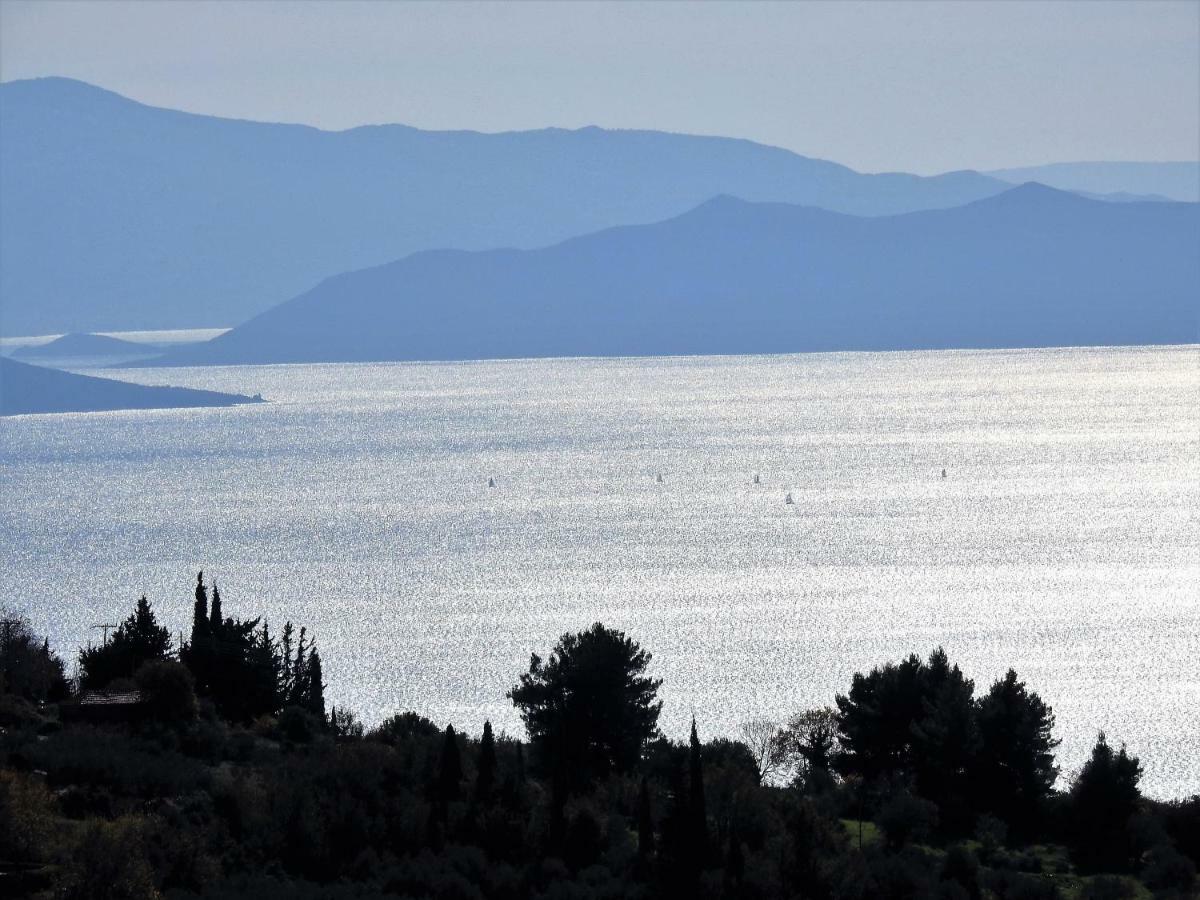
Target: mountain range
{"points": [[1030, 267], [117, 215]]}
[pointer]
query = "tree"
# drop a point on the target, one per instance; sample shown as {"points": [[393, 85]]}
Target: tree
{"points": [[946, 738], [449, 773], [875, 720], [767, 743], [1014, 770], [590, 709], [1103, 799], [314, 698], [697, 807], [137, 641], [810, 743], [645, 824], [168, 690], [28, 667], [485, 769]]}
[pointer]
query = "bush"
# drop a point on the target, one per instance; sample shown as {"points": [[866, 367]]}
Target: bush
{"points": [[168, 691], [906, 818], [26, 817], [1167, 869], [298, 725], [402, 727], [1107, 887], [962, 868], [991, 834]]}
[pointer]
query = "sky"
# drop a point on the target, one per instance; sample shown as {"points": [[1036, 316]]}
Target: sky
{"points": [[880, 86]]}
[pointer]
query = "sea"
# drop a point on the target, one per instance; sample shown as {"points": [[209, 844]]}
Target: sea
{"points": [[432, 525]]}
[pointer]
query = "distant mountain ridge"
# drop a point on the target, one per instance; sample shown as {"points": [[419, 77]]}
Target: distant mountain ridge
{"points": [[26, 389], [1118, 180], [117, 215], [80, 345], [1030, 267]]}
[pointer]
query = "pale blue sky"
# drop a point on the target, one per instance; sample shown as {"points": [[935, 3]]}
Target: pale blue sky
{"points": [[921, 87]]}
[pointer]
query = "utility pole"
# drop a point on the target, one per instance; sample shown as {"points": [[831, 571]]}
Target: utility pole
{"points": [[105, 626]]}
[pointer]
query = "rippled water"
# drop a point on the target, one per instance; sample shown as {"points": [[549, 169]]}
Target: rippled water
{"points": [[1064, 541]]}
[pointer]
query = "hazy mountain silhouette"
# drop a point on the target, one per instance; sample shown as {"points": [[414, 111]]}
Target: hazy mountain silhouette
{"points": [[1116, 180], [1030, 267], [117, 215], [34, 389], [85, 345]]}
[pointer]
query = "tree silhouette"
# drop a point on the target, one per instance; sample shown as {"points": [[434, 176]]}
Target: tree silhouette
{"points": [[697, 806], [1014, 766], [138, 640], [485, 769], [449, 774], [591, 708], [1103, 799], [314, 699]]}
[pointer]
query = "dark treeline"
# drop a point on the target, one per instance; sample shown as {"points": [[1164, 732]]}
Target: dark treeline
{"points": [[217, 771]]}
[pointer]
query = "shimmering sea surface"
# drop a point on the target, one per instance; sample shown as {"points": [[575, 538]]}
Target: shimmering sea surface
{"points": [[1064, 540]]}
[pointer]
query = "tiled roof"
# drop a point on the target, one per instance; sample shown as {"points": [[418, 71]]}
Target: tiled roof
{"points": [[110, 698]]}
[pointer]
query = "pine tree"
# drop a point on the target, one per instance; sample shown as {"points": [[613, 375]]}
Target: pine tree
{"points": [[1103, 799], [137, 641], [485, 775]]}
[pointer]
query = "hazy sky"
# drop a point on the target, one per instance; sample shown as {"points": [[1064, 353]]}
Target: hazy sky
{"points": [[921, 87]]}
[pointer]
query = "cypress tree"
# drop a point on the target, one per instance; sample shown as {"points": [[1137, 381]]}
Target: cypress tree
{"points": [[697, 808], [449, 768], [299, 686], [485, 776], [200, 611], [284, 665], [315, 695], [216, 621]]}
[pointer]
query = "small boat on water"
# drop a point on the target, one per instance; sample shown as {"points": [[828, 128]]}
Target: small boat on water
{"points": [[659, 478], [756, 478], [491, 482], [788, 499]]}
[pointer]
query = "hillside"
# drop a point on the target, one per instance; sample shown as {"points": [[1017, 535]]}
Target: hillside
{"points": [[34, 389], [1030, 267], [121, 216], [85, 345]]}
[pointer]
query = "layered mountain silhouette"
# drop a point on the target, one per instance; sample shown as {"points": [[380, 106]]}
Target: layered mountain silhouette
{"points": [[34, 389], [76, 345], [119, 216], [1115, 180], [1030, 267]]}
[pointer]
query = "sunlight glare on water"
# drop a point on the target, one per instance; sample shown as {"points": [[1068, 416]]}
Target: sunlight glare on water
{"points": [[1064, 540]]}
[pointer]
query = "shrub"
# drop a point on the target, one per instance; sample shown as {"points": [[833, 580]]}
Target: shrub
{"points": [[402, 727], [167, 690], [1107, 887], [1167, 869], [962, 868], [906, 818]]}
